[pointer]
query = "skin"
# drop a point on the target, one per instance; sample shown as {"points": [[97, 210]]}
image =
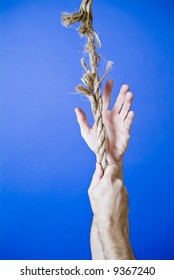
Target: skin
{"points": [[117, 123], [109, 203]]}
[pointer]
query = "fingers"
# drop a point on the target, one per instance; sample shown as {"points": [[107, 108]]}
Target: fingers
{"points": [[107, 94], [120, 99], [129, 119], [98, 174], [126, 105], [82, 120]]}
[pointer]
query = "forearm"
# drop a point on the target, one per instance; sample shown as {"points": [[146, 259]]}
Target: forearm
{"points": [[96, 247], [110, 227], [107, 246], [115, 244], [95, 241]]}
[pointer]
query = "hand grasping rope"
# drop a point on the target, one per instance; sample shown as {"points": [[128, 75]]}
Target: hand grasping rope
{"points": [[92, 82]]}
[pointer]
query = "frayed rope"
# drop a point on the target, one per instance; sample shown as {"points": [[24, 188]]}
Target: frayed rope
{"points": [[92, 82]]}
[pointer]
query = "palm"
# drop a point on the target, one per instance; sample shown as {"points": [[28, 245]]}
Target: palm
{"points": [[117, 124], [117, 136]]}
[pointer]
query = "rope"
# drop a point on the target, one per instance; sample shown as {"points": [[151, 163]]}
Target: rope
{"points": [[92, 82]]}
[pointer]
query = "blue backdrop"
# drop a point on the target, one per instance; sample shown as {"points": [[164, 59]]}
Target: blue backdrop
{"points": [[45, 166]]}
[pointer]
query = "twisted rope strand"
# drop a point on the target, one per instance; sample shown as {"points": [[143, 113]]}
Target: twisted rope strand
{"points": [[90, 79]]}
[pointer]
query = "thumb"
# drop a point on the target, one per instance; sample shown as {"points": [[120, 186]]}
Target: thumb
{"points": [[98, 174]]}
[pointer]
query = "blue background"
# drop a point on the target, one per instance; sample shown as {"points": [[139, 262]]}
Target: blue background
{"points": [[45, 166]]}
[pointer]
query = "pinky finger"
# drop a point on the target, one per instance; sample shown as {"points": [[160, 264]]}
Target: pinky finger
{"points": [[129, 119]]}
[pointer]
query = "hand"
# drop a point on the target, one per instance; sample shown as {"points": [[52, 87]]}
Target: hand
{"points": [[117, 123], [109, 202], [109, 199]]}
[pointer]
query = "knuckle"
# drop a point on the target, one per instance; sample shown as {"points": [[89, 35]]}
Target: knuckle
{"points": [[119, 185], [107, 177], [111, 172]]}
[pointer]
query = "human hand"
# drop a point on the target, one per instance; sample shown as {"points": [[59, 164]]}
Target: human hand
{"points": [[109, 236], [117, 123], [109, 199]]}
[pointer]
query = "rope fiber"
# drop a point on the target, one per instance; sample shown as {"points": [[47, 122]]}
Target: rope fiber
{"points": [[92, 82]]}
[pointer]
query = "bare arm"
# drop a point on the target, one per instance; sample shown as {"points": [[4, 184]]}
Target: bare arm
{"points": [[95, 242], [109, 202], [117, 122]]}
